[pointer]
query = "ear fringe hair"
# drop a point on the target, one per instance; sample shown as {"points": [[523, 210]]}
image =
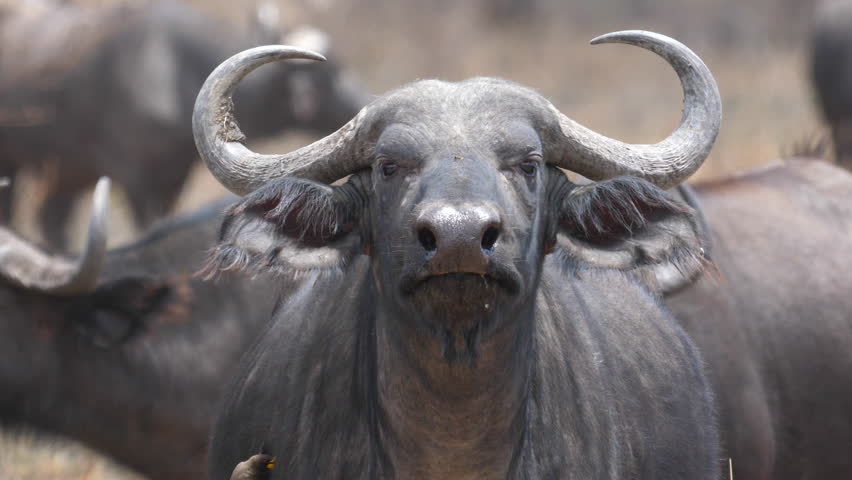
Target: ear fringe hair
{"points": [[622, 203], [688, 263], [230, 258], [224, 258]]}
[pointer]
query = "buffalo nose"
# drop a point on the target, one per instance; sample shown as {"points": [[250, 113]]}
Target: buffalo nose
{"points": [[458, 238]]}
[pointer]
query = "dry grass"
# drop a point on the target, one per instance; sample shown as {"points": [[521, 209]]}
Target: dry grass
{"points": [[620, 91], [26, 456]]}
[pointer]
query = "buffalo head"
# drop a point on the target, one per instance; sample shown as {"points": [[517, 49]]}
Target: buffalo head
{"points": [[455, 191]]}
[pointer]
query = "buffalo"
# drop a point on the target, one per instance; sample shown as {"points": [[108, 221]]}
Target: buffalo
{"points": [[125, 350], [830, 59], [89, 91], [773, 317], [467, 311]]}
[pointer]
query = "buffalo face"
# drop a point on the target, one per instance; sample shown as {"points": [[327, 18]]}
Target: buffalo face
{"points": [[457, 206]]}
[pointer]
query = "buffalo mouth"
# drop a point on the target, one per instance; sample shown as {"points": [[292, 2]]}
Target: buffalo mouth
{"points": [[460, 283]]}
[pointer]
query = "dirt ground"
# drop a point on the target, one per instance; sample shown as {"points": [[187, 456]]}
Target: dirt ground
{"points": [[621, 91]]}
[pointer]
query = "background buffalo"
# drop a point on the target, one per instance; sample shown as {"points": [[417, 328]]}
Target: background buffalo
{"points": [[771, 316], [88, 91], [130, 358]]}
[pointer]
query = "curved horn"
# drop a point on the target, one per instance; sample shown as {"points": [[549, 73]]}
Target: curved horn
{"points": [[671, 161], [31, 268], [220, 141]]}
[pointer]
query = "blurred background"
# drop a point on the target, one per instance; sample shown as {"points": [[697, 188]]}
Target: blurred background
{"points": [[756, 50]]}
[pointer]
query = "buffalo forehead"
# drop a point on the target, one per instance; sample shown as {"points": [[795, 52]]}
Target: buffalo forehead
{"points": [[469, 101], [483, 113]]}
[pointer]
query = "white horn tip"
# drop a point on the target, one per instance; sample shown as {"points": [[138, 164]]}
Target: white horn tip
{"points": [[284, 52], [100, 204], [628, 36], [101, 195]]}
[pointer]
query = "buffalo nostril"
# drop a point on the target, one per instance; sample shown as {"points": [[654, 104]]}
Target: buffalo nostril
{"points": [[489, 238], [427, 239]]}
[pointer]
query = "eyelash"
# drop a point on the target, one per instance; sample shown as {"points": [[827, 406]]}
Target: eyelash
{"points": [[530, 165]]}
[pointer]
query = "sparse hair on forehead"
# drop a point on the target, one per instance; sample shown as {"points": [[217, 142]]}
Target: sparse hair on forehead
{"points": [[474, 89], [478, 101]]}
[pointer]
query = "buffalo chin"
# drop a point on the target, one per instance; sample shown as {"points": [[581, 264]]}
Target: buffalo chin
{"points": [[457, 307]]}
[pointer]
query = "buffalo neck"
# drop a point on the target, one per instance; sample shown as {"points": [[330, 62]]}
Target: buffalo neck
{"points": [[453, 419]]}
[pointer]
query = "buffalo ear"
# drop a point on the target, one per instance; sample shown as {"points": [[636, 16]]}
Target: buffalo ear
{"points": [[291, 224], [629, 224]]}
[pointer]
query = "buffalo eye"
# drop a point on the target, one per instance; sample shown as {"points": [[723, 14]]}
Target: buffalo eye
{"points": [[388, 169], [530, 165]]}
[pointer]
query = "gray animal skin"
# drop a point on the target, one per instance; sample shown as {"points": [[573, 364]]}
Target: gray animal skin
{"points": [[774, 320], [109, 91], [441, 330], [132, 357], [831, 72]]}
